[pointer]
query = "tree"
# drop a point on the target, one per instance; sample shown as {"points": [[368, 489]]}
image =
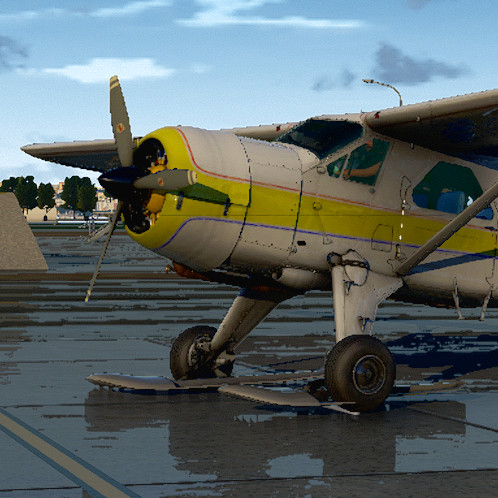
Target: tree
{"points": [[9, 185], [46, 196], [26, 192], [70, 193], [83, 201], [87, 198]]}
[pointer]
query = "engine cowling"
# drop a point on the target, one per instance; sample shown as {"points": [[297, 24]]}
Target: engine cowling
{"points": [[242, 211]]}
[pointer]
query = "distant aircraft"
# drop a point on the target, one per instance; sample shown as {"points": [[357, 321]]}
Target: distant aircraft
{"points": [[397, 203]]}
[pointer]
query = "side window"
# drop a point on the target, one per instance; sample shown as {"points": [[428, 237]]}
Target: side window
{"points": [[365, 162], [449, 188]]}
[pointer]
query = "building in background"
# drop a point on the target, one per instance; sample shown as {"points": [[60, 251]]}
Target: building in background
{"points": [[105, 205]]}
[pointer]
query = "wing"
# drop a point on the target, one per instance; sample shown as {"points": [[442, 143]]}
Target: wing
{"points": [[464, 126], [102, 155], [96, 155]]}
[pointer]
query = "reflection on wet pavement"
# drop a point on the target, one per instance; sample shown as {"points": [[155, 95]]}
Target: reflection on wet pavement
{"points": [[209, 444]]}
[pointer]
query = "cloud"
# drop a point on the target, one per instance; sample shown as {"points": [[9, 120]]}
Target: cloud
{"points": [[131, 8], [23, 15], [11, 54], [216, 13], [347, 78], [395, 67], [418, 4], [343, 80], [127, 9], [99, 70]]}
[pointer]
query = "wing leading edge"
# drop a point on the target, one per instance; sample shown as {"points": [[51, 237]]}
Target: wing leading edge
{"points": [[95, 155], [465, 126]]}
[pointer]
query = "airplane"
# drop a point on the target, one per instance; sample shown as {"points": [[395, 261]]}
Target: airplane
{"points": [[396, 203]]}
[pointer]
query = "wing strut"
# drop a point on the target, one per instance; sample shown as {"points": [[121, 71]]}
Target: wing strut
{"points": [[448, 230]]}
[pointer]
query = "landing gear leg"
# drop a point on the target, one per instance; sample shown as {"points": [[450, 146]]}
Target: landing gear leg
{"points": [[359, 369]]}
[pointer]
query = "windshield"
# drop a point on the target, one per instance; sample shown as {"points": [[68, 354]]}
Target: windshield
{"points": [[322, 137]]}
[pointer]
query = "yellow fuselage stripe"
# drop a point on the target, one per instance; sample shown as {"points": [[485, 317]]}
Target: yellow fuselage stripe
{"points": [[271, 207]]}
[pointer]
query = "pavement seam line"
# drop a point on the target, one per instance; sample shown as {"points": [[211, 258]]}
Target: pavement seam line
{"points": [[453, 419], [77, 470]]}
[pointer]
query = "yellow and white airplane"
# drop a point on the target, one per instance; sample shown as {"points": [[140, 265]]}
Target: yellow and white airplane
{"points": [[397, 203]]}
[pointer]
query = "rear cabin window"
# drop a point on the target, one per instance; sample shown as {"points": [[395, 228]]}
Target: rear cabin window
{"points": [[449, 188], [322, 137]]}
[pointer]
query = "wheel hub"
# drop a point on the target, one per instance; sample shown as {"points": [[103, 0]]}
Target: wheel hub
{"points": [[197, 351], [369, 374]]}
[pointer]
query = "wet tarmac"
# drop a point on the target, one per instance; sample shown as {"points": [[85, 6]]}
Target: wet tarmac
{"points": [[212, 444]]}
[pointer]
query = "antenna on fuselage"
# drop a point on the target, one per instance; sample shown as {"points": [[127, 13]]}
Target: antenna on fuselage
{"points": [[389, 86]]}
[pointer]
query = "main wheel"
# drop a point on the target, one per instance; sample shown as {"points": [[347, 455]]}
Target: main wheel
{"points": [[360, 369], [186, 360]]}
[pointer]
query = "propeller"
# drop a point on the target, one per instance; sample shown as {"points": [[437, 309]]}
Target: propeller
{"points": [[130, 183]]}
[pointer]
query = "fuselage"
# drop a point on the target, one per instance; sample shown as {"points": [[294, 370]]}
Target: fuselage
{"points": [[264, 207]]}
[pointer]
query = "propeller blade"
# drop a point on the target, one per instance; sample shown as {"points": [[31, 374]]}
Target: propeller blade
{"points": [[100, 232], [104, 250], [168, 180], [124, 142], [121, 124]]}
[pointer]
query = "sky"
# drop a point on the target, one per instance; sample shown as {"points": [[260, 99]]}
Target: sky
{"points": [[226, 63]]}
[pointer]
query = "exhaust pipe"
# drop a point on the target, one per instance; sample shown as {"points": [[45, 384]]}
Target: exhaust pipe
{"points": [[301, 279]]}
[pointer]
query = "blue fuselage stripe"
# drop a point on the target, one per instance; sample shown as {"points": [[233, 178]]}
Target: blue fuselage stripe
{"points": [[459, 258]]}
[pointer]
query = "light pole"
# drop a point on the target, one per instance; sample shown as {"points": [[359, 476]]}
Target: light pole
{"points": [[389, 86]]}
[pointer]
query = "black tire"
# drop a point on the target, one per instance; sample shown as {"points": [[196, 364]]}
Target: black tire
{"points": [[180, 365], [360, 369]]}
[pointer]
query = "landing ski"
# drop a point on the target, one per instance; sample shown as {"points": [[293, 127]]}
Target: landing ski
{"points": [[251, 387], [163, 384]]}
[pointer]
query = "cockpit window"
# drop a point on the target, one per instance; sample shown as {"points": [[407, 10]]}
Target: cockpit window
{"points": [[322, 137], [365, 162], [449, 188]]}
